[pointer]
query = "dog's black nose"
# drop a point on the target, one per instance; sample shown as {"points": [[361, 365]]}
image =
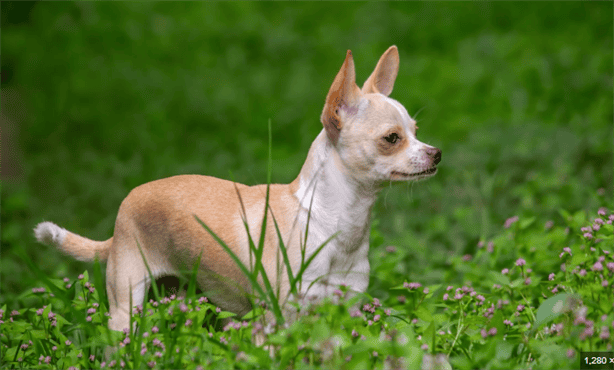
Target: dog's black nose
{"points": [[434, 153]]}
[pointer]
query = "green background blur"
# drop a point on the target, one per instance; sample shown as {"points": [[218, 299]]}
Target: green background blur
{"points": [[98, 98]]}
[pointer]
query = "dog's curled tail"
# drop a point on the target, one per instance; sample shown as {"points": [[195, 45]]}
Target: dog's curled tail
{"points": [[81, 248]]}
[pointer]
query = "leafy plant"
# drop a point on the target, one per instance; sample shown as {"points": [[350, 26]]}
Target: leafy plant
{"points": [[540, 310]]}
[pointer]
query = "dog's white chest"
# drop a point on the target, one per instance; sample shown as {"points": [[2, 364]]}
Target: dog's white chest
{"points": [[342, 261]]}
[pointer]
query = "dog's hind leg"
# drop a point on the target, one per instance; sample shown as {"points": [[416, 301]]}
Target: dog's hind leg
{"points": [[128, 279]]}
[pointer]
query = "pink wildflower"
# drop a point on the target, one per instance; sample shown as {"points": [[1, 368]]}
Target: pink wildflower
{"points": [[520, 262]]}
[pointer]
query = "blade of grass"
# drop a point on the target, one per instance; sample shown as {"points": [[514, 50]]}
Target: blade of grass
{"points": [[151, 277], [268, 293], [252, 247], [304, 245], [192, 282], [42, 276], [304, 266], [99, 280], [284, 253], [234, 257], [258, 268]]}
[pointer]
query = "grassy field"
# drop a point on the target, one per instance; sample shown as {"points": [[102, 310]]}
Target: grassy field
{"points": [[98, 98]]}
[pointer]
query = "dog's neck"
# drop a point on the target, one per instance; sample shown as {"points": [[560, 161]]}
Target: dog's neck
{"points": [[339, 202]]}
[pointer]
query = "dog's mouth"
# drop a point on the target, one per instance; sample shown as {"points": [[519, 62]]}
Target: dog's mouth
{"points": [[428, 172]]}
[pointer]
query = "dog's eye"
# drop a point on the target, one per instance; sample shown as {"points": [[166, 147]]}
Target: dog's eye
{"points": [[392, 138]]}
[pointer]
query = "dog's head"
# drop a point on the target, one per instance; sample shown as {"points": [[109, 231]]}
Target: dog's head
{"points": [[373, 134]]}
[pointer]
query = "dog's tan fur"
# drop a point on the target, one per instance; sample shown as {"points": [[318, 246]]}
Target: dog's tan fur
{"points": [[368, 140]]}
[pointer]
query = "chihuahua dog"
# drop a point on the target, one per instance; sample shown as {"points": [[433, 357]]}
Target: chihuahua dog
{"points": [[368, 141]]}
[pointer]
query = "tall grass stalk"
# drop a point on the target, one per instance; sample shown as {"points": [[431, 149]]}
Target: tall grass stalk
{"points": [[270, 294]]}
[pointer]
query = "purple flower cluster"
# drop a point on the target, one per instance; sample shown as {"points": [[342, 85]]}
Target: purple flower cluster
{"points": [[490, 333], [236, 325], [461, 292], [411, 286], [597, 224], [490, 247], [510, 221], [368, 307]]}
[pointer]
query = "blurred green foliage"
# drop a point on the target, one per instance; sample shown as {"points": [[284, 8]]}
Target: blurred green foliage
{"points": [[517, 95]]}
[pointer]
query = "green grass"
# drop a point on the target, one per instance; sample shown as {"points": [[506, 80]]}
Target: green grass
{"points": [[544, 308], [98, 98]]}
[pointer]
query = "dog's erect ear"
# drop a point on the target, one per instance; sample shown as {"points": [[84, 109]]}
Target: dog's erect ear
{"points": [[344, 95], [382, 78]]}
